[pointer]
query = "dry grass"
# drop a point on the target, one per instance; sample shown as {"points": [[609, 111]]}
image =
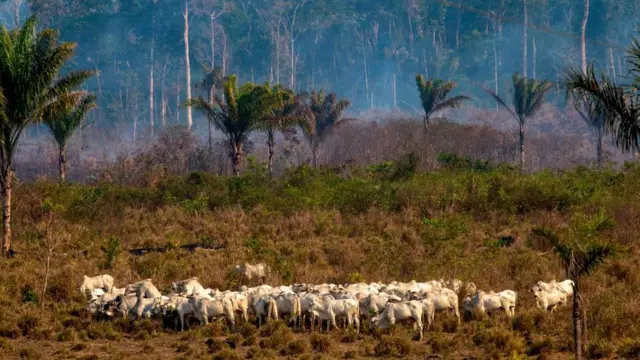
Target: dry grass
{"points": [[312, 226]]}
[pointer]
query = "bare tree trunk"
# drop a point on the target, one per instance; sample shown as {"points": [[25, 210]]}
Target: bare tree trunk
{"points": [[178, 105], [535, 54], [425, 64], [521, 148], [366, 72], [151, 93], [577, 320], [524, 41], [187, 61], [224, 54], [212, 34], [394, 92], [62, 162], [163, 110], [47, 270], [210, 139], [613, 66], [458, 22], [495, 70], [6, 215], [583, 31]]}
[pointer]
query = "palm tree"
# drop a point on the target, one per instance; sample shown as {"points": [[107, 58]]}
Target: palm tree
{"points": [[581, 255], [590, 110], [211, 81], [63, 123], [324, 113], [236, 116], [30, 65], [433, 96], [285, 111], [528, 98], [620, 104]]}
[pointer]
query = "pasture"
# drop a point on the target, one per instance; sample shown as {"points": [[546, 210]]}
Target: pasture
{"points": [[321, 226]]}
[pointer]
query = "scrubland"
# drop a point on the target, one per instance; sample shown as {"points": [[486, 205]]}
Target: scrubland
{"points": [[378, 223]]}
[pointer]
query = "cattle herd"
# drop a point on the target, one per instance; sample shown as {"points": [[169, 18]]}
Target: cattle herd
{"points": [[382, 305]]}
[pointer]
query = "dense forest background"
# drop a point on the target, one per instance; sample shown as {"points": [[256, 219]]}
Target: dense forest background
{"points": [[366, 51]]}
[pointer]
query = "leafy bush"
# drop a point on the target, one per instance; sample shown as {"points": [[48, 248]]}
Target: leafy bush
{"points": [[111, 251]]}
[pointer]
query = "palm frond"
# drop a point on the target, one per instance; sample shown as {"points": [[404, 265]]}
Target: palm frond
{"points": [[501, 102], [451, 103], [622, 110], [594, 257]]}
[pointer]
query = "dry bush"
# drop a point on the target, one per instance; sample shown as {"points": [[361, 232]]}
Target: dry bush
{"points": [[260, 353], [226, 355], [393, 346], [277, 339], [297, 347], [320, 343], [215, 345]]}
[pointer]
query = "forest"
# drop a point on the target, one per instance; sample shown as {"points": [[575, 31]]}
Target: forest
{"points": [[489, 142]]}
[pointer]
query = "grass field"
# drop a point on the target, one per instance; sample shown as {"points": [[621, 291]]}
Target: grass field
{"points": [[380, 223]]}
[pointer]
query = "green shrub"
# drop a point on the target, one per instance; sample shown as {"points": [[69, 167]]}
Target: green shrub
{"points": [[629, 348], [600, 349], [111, 251], [499, 340]]}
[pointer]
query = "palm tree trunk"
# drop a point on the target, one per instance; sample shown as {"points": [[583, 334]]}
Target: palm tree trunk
{"points": [[599, 146], [271, 143], [209, 122], [7, 177], [236, 159], [521, 148], [314, 154], [62, 162], [577, 320]]}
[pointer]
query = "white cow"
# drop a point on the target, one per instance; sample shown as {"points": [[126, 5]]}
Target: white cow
{"points": [[289, 304], [548, 299], [239, 301], [265, 308], [206, 309], [144, 288], [190, 287], [146, 307], [181, 306], [328, 309], [489, 302], [96, 282], [445, 300], [398, 312], [253, 272]]}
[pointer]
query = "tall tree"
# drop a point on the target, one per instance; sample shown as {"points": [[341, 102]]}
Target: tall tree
{"points": [[325, 114], [583, 36], [581, 253], [621, 105], [236, 116], [30, 65], [63, 121], [285, 111], [211, 81], [593, 114], [528, 98], [433, 96], [187, 61]]}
